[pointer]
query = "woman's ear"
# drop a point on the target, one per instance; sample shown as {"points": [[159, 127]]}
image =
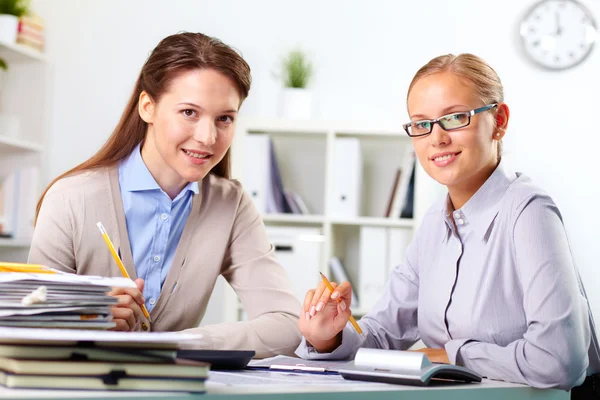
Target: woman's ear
{"points": [[146, 107], [502, 117]]}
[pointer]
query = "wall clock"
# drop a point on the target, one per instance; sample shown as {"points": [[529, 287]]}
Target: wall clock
{"points": [[558, 34]]}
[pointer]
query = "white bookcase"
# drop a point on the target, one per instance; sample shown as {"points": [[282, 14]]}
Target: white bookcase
{"points": [[23, 93], [305, 151]]}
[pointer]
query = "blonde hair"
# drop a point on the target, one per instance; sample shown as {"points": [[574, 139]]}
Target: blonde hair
{"points": [[472, 69]]}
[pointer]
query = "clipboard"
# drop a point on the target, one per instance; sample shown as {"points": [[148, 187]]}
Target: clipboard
{"points": [[293, 364]]}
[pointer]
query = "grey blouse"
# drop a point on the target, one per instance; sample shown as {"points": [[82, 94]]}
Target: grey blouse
{"points": [[496, 287]]}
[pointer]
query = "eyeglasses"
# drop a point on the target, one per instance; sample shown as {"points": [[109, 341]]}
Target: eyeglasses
{"points": [[448, 122]]}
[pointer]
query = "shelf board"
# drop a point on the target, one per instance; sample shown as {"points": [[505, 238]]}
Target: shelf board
{"points": [[8, 242], [19, 53], [375, 221], [382, 132], [299, 219], [276, 126], [13, 145]]}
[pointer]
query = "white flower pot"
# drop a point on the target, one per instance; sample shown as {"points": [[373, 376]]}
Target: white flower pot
{"points": [[295, 103], [9, 24]]}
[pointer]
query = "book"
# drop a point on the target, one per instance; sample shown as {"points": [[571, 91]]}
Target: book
{"points": [[338, 273], [91, 353], [177, 368], [114, 381], [400, 197], [403, 367], [393, 193]]}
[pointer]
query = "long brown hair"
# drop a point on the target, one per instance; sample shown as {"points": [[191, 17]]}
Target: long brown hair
{"points": [[172, 56], [472, 69]]}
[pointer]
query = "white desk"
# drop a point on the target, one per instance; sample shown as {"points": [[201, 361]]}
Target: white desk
{"points": [[488, 390]]}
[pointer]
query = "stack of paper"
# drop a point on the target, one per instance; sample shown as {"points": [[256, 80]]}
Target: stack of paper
{"points": [[102, 360], [37, 296]]}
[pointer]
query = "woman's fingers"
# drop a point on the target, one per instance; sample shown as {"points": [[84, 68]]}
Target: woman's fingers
{"points": [[134, 293], [124, 318], [307, 304], [316, 297], [344, 292]]}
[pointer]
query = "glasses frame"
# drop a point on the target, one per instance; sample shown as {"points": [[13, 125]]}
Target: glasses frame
{"points": [[437, 121]]}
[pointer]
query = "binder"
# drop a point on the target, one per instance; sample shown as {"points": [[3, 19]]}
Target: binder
{"points": [[262, 178], [373, 265], [403, 367], [299, 251], [257, 169], [345, 198]]}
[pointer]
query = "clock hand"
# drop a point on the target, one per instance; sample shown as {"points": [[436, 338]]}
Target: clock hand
{"points": [[558, 27]]}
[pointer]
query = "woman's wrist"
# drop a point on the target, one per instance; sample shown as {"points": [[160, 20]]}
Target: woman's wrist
{"points": [[327, 346]]}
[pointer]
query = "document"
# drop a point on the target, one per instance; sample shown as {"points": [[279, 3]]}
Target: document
{"points": [[66, 336]]}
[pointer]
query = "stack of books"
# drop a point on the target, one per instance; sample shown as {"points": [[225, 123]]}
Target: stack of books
{"points": [[38, 296], [98, 360], [31, 32]]}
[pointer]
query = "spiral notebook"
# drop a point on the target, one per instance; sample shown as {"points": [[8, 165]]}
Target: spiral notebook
{"points": [[403, 367]]}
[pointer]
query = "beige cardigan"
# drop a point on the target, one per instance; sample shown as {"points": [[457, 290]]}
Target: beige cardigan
{"points": [[224, 235]]}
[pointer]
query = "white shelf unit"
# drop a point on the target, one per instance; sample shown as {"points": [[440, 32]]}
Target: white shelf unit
{"points": [[23, 98], [18, 53], [11, 146], [304, 152]]}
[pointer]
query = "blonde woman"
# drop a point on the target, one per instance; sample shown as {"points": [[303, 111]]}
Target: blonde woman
{"points": [[488, 281], [160, 187]]}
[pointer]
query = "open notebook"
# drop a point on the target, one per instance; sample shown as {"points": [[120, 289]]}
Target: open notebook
{"points": [[403, 367]]}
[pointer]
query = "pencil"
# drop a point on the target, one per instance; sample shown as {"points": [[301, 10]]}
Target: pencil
{"points": [[331, 289], [118, 260]]}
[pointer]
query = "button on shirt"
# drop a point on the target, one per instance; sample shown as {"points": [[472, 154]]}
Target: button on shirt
{"points": [[154, 222], [495, 286]]}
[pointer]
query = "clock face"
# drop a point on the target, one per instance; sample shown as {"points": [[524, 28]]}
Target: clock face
{"points": [[558, 34]]}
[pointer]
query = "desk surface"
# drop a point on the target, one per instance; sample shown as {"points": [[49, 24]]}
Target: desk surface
{"points": [[488, 390]]}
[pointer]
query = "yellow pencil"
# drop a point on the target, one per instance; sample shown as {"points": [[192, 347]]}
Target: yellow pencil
{"points": [[331, 289], [118, 260], [26, 268]]}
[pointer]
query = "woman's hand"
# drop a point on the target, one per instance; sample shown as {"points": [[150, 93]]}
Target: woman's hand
{"points": [[127, 313], [435, 355], [323, 318]]}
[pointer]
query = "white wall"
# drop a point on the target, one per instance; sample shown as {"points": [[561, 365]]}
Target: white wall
{"points": [[365, 54]]}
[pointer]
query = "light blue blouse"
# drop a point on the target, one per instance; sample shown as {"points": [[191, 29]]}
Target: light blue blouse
{"points": [[154, 222]]}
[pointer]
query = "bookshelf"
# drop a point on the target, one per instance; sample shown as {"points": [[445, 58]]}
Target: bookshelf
{"points": [[10, 145], [23, 92], [12, 53], [305, 152]]}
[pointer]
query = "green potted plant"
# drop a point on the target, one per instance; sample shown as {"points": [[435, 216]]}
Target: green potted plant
{"points": [[3, 69], [296, 74], [10, 12]]}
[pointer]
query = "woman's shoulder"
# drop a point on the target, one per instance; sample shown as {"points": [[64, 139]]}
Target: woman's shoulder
{"points": [[224, 187], [88, 183], [223, 193], [523, 192]]}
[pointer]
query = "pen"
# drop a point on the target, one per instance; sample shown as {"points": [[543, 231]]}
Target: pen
{"points": [[331, 289], [118, 260]]}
